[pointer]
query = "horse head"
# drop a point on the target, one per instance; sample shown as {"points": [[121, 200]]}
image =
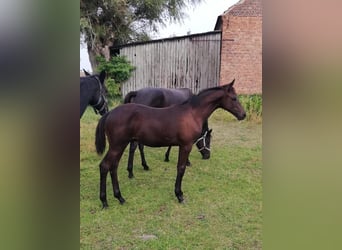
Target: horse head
{"points": [[203, 143], [100, 103], [230, 101]]}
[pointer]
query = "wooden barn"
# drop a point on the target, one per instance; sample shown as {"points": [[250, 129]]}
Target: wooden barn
{"points": [[191, 61]]}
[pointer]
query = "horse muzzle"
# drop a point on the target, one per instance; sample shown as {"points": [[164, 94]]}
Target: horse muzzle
{"points": [[206, 156], [241, 117], [104, 110]]}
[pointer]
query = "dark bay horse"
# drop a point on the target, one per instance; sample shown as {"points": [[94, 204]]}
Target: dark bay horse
{"points": [[160, 98], [93, 92], [177, 125]]}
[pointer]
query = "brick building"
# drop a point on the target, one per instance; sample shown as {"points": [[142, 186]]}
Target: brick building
{"points": [[241, 49]]}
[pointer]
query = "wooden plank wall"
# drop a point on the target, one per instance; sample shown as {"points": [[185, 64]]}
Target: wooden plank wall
{"points": [[191, 61]]}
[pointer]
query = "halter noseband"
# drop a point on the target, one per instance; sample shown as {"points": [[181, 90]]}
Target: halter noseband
{"points": [[204, 144], [102, 98]]}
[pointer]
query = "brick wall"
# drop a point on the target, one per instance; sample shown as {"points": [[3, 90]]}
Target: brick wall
{"points": [[241, 51]]}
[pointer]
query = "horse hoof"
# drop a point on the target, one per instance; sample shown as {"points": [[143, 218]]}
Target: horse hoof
{"points": [[180, 199], [104, 205], [146, 168], [122, 200], [166, 160], [130, 175]]}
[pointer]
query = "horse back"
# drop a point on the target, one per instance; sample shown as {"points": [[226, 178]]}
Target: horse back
{"points": [[153, 97], [153, 127], [177, 96]]}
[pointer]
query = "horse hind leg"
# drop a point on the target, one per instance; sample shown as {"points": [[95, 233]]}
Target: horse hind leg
{"points": [[116, 154]]}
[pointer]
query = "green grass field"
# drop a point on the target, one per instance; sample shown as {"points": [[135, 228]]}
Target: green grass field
{"points": [[223, 195]]}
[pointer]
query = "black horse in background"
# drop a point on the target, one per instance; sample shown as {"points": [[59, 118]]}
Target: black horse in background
{"points": [[93, 92], [160, 98]]}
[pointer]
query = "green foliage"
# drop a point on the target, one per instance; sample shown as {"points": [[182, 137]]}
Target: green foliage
{"points": [[253, 106], [113, 88], [118, 70]]}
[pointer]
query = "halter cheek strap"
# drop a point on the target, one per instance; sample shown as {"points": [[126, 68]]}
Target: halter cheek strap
{"points": [[204, 144], [103, 106], [101, 99]]}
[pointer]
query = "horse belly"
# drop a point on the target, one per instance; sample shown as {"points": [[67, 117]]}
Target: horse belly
{"points": [[158, 141], [156, 135]]}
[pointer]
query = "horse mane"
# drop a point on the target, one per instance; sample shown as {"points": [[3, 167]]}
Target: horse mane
{"points": [[85, 78], [194, 99], [206, 90], [100, 76]]}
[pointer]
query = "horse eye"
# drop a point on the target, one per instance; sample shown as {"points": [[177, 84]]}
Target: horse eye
{"points": [[234, 99]]}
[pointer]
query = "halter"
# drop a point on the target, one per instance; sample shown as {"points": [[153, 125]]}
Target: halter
{"points": [[101, 98], [204, 144]]}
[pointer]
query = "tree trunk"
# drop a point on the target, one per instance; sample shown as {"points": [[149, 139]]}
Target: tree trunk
{"points": [[92, 59], [103, 51], [106, 52]]}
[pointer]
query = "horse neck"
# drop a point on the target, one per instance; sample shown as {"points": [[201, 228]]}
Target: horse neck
{"points": [[205, 126], [89, 90], [206, 104]]}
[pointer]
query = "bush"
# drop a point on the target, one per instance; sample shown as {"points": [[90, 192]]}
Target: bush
{"points": [[114, 90], [118, 70]]}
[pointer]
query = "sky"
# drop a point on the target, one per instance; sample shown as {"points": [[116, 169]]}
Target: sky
{"points": [[201, 18]]}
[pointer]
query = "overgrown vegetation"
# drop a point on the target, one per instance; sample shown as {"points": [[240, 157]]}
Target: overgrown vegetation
{"points": [[253, 106], [223, 195], [118, 70]]}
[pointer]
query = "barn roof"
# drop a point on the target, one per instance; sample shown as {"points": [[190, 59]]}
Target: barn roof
{"points": [[164, 40], [243, 8]]}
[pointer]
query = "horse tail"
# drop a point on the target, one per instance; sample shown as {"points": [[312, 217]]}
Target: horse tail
{"points": [[100, 137], [129, 96]]}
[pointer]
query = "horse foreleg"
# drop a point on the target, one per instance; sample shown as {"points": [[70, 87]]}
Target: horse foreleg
{"points": [[114, 174], [167, 154], [183, 155], [142, 155], [132, 148]]}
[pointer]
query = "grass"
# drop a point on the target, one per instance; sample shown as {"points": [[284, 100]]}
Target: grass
{"points": [[223, 195]]}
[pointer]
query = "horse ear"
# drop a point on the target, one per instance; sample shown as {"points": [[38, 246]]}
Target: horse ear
{"points": [[86, 72], [229, 85], [102, 76]]}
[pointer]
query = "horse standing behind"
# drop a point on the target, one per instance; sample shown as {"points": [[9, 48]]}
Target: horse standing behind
{"points": [[93, 92], [160, 98], [178, 125]]}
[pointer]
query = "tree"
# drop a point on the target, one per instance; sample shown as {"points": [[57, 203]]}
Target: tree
{"points": [[107, 23]]}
